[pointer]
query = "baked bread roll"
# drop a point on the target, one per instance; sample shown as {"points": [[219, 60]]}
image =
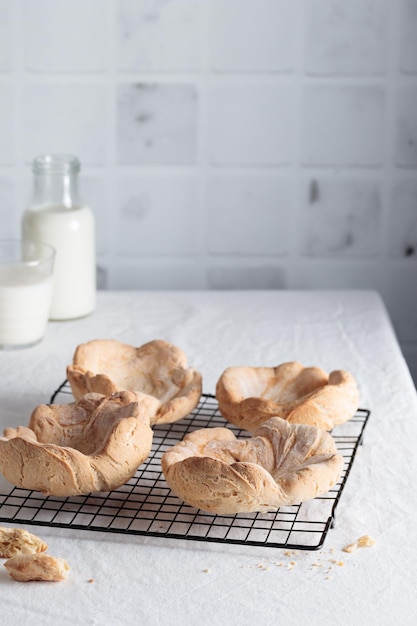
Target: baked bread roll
{"points": [[282, 464], [93, 444], [247, 396], [157, 372]]}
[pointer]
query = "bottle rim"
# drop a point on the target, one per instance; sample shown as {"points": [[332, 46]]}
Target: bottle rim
{"points": [[56, 164]]}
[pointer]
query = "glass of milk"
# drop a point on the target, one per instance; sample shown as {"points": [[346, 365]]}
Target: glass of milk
{"points": [[26, 280]]}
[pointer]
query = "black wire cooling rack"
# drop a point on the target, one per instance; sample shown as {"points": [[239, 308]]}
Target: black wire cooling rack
{"points": [[146, 506]]}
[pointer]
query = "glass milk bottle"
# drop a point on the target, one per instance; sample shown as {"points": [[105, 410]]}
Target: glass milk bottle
{"points": [[56, 216]]}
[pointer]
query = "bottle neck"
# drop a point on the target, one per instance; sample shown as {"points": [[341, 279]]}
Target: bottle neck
{"points": [[62, 190], [55, 180]]}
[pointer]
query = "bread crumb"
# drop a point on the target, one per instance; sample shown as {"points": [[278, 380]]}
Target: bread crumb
{"points": [[293, 563], [207, 570], [351, 547], [91, 580], [363, 542], [366, 541], [262, 566]]}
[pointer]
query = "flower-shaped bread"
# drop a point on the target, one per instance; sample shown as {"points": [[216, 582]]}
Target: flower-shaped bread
{"points": [[156, 372], [282, 464], [93, 444], [248, 396]]}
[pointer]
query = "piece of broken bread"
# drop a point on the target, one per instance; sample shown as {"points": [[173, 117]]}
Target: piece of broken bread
{"points": [[27, 567], [14, 541]]}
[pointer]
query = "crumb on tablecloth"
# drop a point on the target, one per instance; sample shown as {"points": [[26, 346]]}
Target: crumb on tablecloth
{"points": [[366, 541], [351, 547]]}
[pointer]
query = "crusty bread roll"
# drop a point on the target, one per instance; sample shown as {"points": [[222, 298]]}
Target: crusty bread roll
{"points": [[282, 464], [93, 444], [156, 371], [248, 396]]}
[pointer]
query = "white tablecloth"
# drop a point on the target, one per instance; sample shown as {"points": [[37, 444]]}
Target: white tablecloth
{"points": [[152, 580]]}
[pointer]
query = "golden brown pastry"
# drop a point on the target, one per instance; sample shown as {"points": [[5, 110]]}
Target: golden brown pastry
{"points": [[15, 541], [282, 464], [26, 567], [248, 396], [93, 444], [157, 372]]}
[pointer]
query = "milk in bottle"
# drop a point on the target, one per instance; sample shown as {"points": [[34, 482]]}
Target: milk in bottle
{"points": [[56, 216]]}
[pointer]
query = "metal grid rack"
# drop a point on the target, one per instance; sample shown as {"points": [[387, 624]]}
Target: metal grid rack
{"points": [[146, 506]]}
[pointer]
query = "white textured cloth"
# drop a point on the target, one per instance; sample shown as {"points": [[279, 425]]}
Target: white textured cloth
{"points": [[145, 580]]}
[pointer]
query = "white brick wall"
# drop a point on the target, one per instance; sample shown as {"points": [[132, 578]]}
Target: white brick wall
{"points": [[7, 122], [347, 38], [343, 125], [248, 215], [71, 114], [156, 124], [225, 143], [250, 124]]}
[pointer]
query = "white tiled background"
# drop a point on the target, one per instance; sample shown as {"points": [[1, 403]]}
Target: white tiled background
{"points": [[225, 143]]}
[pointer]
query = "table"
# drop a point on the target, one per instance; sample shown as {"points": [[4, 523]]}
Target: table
{"points": [[153, 580]]}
